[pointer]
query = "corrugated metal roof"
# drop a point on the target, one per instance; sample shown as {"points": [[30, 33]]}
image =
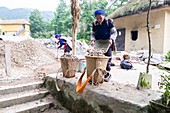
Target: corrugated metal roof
{"points": [[19, 21]]}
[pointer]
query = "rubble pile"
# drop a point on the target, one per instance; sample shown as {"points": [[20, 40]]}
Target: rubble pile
{"points": [[26, 54], [96, 53], [141, 56], [68, 56]]}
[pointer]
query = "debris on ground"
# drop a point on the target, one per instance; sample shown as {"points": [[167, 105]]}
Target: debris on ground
{"points": [[27, 54], [141, 56]]}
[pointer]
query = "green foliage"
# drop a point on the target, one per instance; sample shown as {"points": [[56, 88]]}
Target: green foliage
{"points": [[165, 84], [87, 14], [144, 83], [42, 35], [167, 56], [39, 28], [62, 21], [36, 22]]}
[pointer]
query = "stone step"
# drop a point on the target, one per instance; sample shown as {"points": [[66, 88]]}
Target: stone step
{"points": [[35, 106], [22, 97], [20, 88]]}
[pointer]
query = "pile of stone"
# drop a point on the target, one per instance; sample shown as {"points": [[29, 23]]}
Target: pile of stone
{"points": [[142, 57], [26, 54], [96, 53]]}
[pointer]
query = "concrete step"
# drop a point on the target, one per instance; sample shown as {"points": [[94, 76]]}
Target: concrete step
{"points": [[35, 106], [20, 88], [22, 97]]}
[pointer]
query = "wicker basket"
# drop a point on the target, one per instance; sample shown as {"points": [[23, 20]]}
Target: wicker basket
{"points": [[69, 66], [93, 62]]}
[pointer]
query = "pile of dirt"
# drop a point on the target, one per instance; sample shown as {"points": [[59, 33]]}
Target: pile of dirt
{"points": [[26, 54]]}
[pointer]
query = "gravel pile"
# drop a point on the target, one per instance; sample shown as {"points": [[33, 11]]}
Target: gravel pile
{"points": [[26, 54]]}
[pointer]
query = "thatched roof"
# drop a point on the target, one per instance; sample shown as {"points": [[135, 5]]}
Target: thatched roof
{"points": [[137, 6]]}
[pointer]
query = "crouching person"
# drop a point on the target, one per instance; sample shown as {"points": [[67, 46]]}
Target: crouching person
{"points": [[62, 41]]}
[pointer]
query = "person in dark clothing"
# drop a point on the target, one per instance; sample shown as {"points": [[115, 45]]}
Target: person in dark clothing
{"points": [[103, 29], [63, 42]]}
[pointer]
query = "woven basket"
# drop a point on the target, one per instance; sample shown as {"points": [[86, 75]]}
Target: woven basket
{"points": [[69, 66], [93, 62]]}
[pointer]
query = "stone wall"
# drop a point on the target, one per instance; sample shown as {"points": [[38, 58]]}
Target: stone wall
{"points": [[106, 98]]}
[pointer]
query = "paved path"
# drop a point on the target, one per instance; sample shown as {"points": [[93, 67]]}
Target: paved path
{"points": [[131, 76]]}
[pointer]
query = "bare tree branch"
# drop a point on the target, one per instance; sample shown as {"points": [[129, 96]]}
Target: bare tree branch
{"points": [[149, 37]]}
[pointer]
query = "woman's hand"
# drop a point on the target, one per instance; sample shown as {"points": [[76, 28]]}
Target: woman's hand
{"points": [[92, 43]]}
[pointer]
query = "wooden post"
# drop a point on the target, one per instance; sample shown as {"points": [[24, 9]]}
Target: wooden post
{"points": [[75, 11], [7, 60]]}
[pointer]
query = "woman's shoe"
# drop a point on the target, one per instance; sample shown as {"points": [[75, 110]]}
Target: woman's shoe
{"points": [[107, 77], [112, 64]]}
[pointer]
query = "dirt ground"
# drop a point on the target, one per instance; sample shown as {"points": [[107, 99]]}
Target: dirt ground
{"points": [[23, 75], [31, 61]]}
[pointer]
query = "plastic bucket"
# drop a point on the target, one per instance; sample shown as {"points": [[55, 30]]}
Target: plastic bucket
{"points": [[82, 65]]}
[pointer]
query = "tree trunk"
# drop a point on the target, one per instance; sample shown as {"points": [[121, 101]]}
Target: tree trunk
{"points": [[75, 11], [145, 79], [149, 37]]}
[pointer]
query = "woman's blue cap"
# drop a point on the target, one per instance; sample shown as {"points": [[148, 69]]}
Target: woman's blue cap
{"points": [[99, 12], [57, 35]]}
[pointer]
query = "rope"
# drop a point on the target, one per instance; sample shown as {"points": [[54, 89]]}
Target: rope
{"points": [[56, 83], [69, 70], [80, 87]]}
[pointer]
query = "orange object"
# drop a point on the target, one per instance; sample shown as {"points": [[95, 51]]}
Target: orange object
{"points": [[81, 87]]}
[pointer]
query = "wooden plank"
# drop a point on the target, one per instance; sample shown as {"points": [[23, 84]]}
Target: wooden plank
{"points": [[7, 60]]}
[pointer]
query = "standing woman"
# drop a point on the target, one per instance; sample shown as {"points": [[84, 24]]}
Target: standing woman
{"points": [[103, 29]]}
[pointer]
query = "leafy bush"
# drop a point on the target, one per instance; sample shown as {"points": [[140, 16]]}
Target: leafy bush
{"points": [[167, 56], [165, 84], [42, 35]]}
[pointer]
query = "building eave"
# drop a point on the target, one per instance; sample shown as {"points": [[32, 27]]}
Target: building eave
{"points": [[137, 7]]}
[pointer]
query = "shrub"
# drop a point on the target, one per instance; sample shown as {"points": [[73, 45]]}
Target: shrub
{"points": [[165, 84], [167, 56]]}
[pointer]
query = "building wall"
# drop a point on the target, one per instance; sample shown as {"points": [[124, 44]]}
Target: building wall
{"points": [[138, 22], [27, 30], [167, 34], [13, 28]]}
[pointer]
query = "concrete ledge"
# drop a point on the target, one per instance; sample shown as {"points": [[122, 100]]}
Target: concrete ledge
{"points": [[111, 97]]}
